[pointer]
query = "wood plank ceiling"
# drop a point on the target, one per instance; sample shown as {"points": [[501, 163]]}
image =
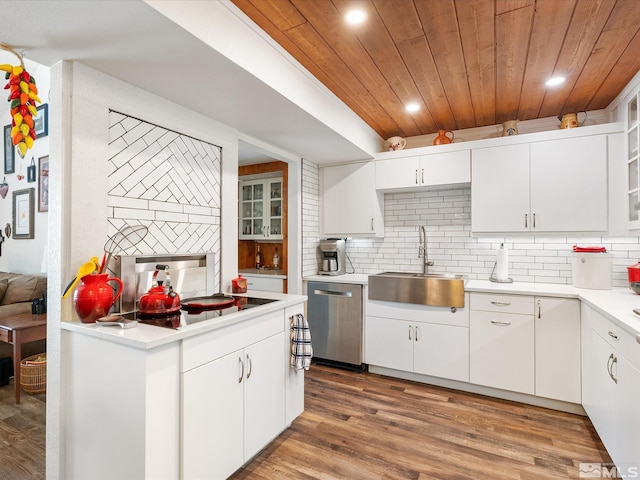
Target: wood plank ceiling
{"points": [[467, 63]]}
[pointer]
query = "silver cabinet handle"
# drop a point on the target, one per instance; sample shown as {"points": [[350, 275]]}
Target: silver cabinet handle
{"points": [[241, 371], [417, 333], [638, 338], [500, 304], [410, 328], [534, 219], [539, 309], [372, 225], [416, 176], [610, 362], [332, 293], [612, 335], [526, 217], [250, 366], [423, 175], [500, 324]]}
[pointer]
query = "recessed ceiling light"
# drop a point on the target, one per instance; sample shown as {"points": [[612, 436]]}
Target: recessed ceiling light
{"points": [[555, 81], [355, 17], [412, 107]]}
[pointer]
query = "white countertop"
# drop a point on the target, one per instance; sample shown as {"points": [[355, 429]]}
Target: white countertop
{"points": [[149, 336], [254, 272], [617, 303], [360, 278]]}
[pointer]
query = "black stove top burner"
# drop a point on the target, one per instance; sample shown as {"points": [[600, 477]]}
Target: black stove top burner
{"points": [[189, 317]]}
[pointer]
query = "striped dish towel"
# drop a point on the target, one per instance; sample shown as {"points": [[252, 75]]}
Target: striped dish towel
{"points": [[301, 350]]}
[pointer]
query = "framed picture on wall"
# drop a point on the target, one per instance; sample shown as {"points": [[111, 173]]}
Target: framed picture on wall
{"points": [[9, 151], [41, 121], [23, 213], [43, 184]]}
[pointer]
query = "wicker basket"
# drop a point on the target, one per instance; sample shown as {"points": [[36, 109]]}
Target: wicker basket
{"points": [[33, 373]]}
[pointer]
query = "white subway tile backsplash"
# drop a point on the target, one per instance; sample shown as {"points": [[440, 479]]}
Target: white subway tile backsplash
{"points": [[447, 215]]}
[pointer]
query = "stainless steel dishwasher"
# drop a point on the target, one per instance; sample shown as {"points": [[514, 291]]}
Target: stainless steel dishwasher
{"points": [[334, 313]]}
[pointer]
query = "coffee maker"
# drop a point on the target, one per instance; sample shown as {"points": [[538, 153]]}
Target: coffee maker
{"points": [[333, 253]]}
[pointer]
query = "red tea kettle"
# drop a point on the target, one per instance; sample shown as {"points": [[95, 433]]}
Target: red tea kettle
{"points": [[161, 298]]}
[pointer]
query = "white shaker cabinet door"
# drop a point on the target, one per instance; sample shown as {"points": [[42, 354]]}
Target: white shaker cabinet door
{"points": [[213, 418], [264, 384], [351, 205], [389, 343], [500, 189], [569, 184], [442, 351], [502, 351], [627, 451], [397, 173], [557, 348]]}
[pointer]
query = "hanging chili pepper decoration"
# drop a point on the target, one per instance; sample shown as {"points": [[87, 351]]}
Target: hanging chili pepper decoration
{"points": [[23, 98]]}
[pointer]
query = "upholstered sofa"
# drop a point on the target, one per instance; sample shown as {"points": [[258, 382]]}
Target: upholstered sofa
{"points": [[17, 292]]}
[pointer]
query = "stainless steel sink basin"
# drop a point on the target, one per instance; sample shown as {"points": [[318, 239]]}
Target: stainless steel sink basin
{"points": [[435, 289]]}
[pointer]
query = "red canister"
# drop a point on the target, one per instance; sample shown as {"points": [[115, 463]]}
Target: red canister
{"points": [[634, 272]]}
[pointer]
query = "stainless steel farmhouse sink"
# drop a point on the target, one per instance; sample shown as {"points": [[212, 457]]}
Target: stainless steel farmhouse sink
{"points": [[434, 289]]}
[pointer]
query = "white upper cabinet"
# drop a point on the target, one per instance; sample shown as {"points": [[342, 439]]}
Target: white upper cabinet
{"points": [[633, 157], [545, 186], [351, 206], [500, 188], [445, 168], [261, 209]]}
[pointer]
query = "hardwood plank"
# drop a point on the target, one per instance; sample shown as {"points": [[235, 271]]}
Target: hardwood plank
{"points": [[478, 44], [588, 19], [618, 32], [23, 432], [512, 39], [328, 22], [550, 24], [442, 34], [360, 425]]}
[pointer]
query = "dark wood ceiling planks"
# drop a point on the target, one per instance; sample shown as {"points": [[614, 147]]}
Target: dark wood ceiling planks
{"points": [[468, 63]]}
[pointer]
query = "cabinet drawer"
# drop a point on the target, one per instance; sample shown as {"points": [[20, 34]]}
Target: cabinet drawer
{"points": [[212, 345], [264, 283], [623, 341], [491, 302]]}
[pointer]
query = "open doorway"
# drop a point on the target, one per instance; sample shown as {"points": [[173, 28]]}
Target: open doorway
{"points": [[268, 218]]}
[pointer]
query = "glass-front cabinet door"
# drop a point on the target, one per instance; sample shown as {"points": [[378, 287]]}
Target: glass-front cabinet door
{"points": [[633, 192], [261, 209]]}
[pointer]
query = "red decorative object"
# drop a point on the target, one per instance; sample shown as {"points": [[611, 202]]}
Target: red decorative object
{"points": [[23, 97], [95, 297]]}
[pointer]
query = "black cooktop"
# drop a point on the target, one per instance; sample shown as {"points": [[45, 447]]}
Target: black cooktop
{"points": [[189, 317]]}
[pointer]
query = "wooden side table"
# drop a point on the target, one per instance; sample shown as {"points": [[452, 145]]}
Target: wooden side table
{"points": [[19, 329]]}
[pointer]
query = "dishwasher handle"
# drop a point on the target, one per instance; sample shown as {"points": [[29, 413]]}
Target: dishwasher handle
{"points": [[332, 293]]}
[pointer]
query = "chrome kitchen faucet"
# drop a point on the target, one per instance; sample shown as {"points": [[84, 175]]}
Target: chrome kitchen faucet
{"points": [[422, 250]]}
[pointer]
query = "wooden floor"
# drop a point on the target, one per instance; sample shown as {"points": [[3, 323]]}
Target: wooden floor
{"points": [[365, 426], [22, 435]]}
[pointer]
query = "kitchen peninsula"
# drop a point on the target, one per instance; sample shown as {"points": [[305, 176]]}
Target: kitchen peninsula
{"points": [[194, 402]]}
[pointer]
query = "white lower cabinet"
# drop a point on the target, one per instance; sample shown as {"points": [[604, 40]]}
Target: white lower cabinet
{"points": [[526, 344], [265, 283], [502, 351], [234, 405], [557, 349], [611, 387], [420, 339]]}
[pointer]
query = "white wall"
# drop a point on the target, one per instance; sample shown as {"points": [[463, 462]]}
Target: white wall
{"points": [[78, 202], [23, 255]]}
